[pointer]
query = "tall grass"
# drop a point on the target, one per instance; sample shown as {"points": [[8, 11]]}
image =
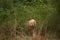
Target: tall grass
{"points": [[13, 22]]}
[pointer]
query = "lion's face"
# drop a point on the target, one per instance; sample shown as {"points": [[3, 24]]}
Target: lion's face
{"points": [[31, 22]]}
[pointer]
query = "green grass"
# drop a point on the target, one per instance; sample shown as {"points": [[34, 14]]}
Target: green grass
{"points": [[17, 16]]}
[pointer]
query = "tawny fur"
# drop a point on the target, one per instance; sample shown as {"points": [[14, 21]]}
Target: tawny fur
{"points": [[31, 22]]}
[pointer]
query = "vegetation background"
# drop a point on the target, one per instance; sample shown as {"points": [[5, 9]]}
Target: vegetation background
{"points": [[15, 13]]}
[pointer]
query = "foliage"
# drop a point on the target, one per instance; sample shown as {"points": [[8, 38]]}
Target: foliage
{"points": [[16, 13]]}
